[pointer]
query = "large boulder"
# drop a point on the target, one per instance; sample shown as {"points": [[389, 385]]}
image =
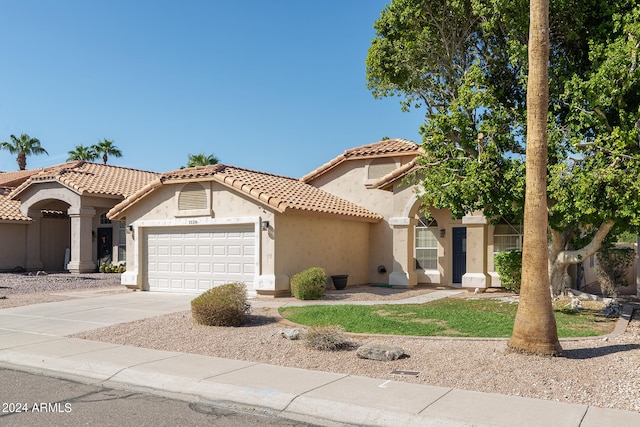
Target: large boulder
{"points": [[379, 352]]}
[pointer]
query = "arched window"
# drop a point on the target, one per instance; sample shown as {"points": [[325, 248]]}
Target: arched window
{"points": [[426, 244], [193, 196]]}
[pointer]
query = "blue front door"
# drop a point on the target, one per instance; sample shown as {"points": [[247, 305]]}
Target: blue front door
{"points": [[459, 236]]}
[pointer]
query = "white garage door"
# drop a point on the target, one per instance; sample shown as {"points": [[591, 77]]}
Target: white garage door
{"points": [[188, 259]]}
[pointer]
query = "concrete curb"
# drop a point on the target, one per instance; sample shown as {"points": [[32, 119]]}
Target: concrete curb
{"points": [[312, 396]]}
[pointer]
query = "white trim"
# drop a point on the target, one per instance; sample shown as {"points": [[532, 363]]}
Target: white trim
{"points": [[400, 221], [199, 221]]}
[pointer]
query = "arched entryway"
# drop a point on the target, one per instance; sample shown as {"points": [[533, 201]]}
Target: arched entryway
{"points": [[50, 235]]}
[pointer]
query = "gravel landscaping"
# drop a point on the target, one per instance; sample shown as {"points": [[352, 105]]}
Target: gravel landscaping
{"points": [[602, 372]]}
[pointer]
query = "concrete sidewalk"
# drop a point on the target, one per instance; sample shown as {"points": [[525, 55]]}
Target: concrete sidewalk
{"points": [[33, 338]]}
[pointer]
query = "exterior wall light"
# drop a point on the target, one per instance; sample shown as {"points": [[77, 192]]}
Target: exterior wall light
{"points": [[442, 232], [265, 225]]}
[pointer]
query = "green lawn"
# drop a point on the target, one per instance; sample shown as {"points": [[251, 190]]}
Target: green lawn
{"points": [[447, 317]]}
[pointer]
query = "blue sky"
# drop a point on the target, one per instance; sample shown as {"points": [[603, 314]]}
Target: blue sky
{"points": [[277, 86]]}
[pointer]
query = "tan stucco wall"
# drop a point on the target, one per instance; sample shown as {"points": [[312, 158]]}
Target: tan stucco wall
{"points": [[349, 179], [13, 240], [340, 247]]}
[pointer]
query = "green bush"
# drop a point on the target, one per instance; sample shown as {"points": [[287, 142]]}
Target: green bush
{"points": [[224, 305], [309, 284], [111, 268], [508, 265]]}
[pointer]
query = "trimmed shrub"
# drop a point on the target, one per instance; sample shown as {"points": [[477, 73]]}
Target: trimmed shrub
{"points": [[111, 268], [508, 265], [224, 305], [326, 338], [309, 284]]}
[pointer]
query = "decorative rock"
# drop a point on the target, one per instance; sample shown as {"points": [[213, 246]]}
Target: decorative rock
{"points": [[293, 333], [379, 352]]}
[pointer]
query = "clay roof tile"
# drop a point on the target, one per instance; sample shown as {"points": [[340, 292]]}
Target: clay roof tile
{"points": [[281, 193], [384, 148]]}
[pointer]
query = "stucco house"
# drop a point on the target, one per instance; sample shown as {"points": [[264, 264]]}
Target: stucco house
{"points": [[54, 219], [190, 229]]}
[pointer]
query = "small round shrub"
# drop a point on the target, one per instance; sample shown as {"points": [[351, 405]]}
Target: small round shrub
{"points": [[309, 284], [224, 305], [509, 268]]}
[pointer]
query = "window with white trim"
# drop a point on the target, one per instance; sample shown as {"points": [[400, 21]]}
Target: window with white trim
{"points": [[507, 237], [426, 244]]}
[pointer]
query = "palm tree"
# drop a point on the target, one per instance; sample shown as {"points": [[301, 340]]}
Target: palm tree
{"points": [[202, 160], [80, 152], [24, 146], [107, 148], [535, 330]]}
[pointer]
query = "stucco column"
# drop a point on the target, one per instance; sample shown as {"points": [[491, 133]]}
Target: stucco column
{"points": [[81, 240], [32, 257], [476, 275], [404, 265]]}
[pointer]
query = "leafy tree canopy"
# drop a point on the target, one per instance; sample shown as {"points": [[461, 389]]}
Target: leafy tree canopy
{"points": [[465, 63]]}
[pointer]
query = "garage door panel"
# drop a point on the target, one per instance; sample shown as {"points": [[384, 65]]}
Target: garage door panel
{"points": [[195, 260], [234, 269]]}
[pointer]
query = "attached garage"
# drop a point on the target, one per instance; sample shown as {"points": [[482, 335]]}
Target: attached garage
{"points": [[194, 259], [197, 228]]}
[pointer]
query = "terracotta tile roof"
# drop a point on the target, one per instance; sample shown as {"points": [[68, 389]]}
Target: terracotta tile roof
{"points": [[386, 148], [15, 178], [92, 178], [285, 195], [10, 209]]}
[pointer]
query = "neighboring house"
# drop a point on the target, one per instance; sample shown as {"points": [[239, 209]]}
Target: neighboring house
{"points": [[54, 218]]}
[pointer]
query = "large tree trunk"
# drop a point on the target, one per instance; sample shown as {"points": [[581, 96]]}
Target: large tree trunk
{"points": [[561, 258], [534, 330]]}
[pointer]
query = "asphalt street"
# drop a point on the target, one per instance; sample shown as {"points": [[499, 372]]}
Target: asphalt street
{"points": [[28, 399]]}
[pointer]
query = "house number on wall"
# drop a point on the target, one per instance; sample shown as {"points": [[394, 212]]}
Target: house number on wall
{"points": [[192, 221]]}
